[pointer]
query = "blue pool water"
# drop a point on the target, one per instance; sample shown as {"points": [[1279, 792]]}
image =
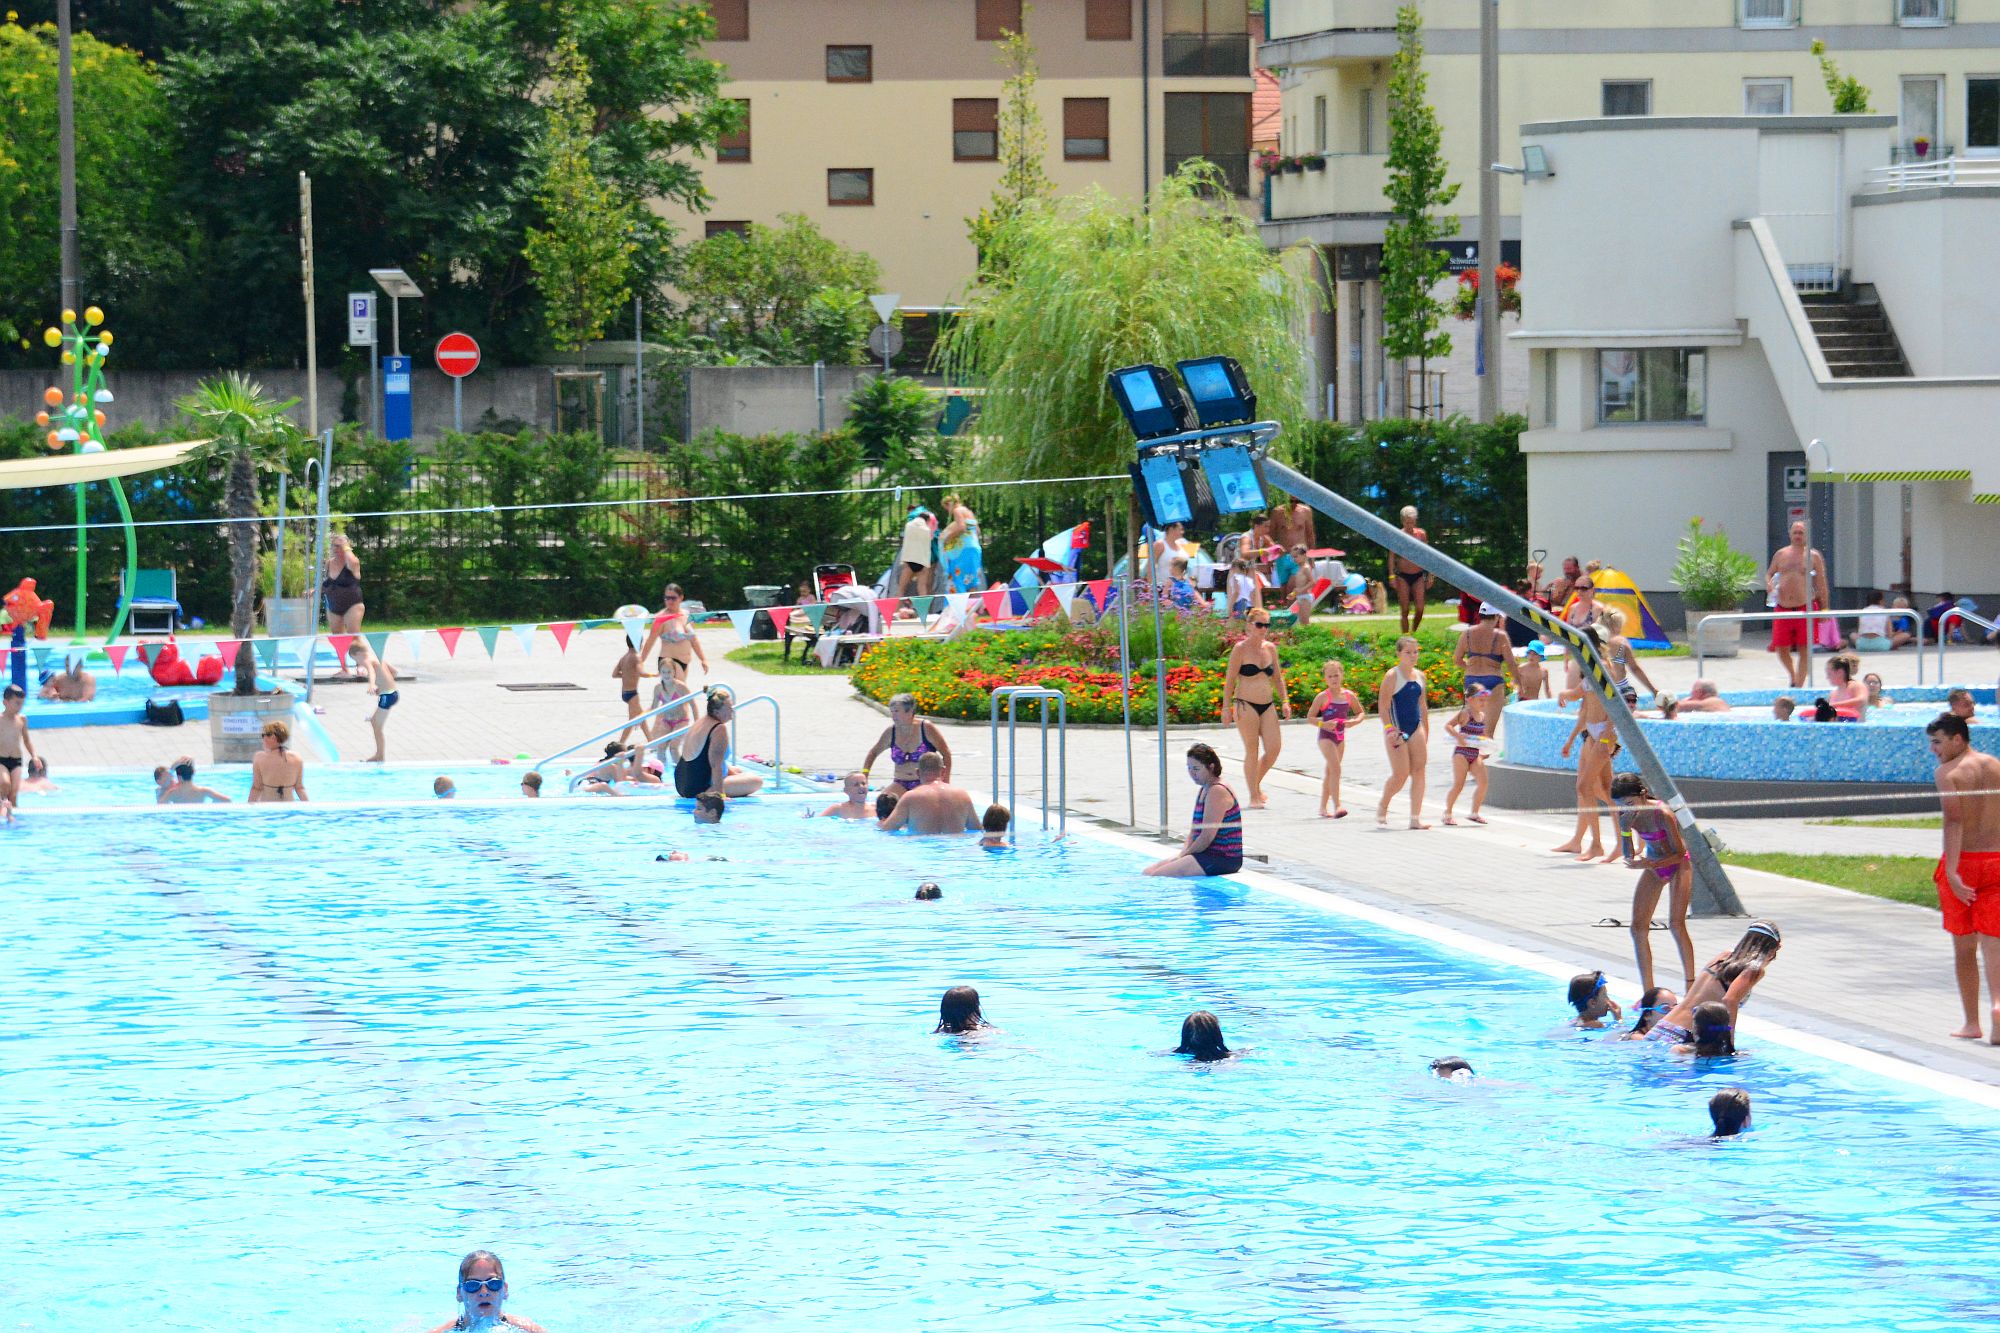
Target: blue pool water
{"points": [[284, 1067], [121, 697]]}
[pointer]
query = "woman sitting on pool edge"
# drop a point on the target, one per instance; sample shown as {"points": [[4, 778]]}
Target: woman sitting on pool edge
{"points": [[276, 774], [1214, 844], [701, 757], [481, 1291]]}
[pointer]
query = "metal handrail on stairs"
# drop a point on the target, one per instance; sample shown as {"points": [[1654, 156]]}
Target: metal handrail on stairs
{"points": [[1745, 617], [1013, 695], [777, 764], [1944, 635]]}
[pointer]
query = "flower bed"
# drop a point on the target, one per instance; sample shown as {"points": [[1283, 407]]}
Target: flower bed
{"points": [[957, 679]]}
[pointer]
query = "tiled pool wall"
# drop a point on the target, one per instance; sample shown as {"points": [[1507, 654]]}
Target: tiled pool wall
{"points": [[1748, 743]]}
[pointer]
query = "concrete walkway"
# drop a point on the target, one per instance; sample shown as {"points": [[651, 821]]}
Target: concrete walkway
{"points": [[1873, 973]]}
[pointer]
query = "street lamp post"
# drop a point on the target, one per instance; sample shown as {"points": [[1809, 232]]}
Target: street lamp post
{"points": [[72, 252], [1489, 211]]}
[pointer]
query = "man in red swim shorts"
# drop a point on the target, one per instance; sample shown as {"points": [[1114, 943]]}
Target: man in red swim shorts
{"points": [[1797, 577], [1968, 874]]}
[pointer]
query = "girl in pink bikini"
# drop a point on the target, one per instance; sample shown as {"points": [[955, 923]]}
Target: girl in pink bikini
{"points": [[1335, 706], [1664, 866]]}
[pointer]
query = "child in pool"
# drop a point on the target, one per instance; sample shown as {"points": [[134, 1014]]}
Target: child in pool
{"points": [[1728, 979], [1590, 996], [855, 788], [1714, 1032], [1467, 729], [993, 827], [1729, 1112], [481, 1292], [1334, 707]]}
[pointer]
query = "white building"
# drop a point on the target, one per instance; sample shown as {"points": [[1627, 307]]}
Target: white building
{"points": [[1711, 293]]}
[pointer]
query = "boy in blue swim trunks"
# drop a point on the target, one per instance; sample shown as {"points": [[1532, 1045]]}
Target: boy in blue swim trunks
{"points": [[382, 684]]}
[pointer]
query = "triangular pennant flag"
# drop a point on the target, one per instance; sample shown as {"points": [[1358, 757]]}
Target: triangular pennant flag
{"points": [[1065, 596], [635, 630], [779, 615], [450, 633], [816, 613], [995, 600], [1045, 605], [228, 648], [413, 639], [116, 652], [41, 658], [1100, 592], [72, 659], [958, 604], [267, 652], [378, 641], [741, 619], [887, 606], [488, 635], [340, 643], [562, 629], [526, 634], [922, 606]]}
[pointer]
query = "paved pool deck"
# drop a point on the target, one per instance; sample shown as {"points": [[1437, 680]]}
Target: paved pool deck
{"points": [[1872, 973]]}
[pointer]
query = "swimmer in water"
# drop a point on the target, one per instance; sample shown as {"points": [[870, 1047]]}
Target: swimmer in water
{"points": [[1714, 1033], [70, 685], [531, 785], [481, 1293], [1451, 1068], [885, 803], [929, 892], [1590, 996], [1654, 1005], [959, 1012], [186, 791], [994, 824], [444, 788], [1729, 1112], [38, 776], [1729, 978], [1201, 1037], [855, 788], [708, 807]]}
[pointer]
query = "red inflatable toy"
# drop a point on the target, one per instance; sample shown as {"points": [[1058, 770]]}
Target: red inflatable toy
{"points": [[169, 668]]}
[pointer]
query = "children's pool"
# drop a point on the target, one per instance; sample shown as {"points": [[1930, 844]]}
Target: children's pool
{"points": [[286, 1065]]}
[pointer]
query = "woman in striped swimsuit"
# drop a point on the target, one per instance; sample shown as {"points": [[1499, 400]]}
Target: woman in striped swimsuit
{"points": [[1214, 844]]}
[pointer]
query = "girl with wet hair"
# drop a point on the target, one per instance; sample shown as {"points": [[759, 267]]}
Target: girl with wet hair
{"points": [[1729, 979], [1714, 1032], [1590, 996], [959, 1011], [1450, 1067], [1654, 1005], [1201, 1037], [481, 1292], [1729, 1112]]}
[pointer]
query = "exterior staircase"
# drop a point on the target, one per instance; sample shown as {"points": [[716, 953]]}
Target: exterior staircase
{"points": [[1855, 336]]}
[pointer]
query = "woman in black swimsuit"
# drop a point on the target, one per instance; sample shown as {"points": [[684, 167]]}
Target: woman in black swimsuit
{"points": [[341, 584], [1253, 685], [701, 757]]}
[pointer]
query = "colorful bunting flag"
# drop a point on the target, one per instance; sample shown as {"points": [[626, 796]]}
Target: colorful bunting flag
{"points": [[488, 635], [922, 606], [526, 635], [116, 652], [450, 634], [267, 652], [413, 639], [740, 619], [378, 641], [228, 648], [1100, 592], [562, 629], [340, 643], [995, 600], [816, 613], [958, 604], [779, 615], [887, 606], [41, 656], [635, 630], [72, 658], [1065, 596]]}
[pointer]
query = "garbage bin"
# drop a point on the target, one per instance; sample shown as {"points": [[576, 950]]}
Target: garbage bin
{"points": [[762, 594]]}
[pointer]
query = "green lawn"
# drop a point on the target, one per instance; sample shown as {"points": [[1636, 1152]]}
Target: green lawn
{"points": [[769, 659], [1888, 821], [1903, 879]]}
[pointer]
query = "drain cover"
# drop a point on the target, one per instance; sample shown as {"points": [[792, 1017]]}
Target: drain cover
{"points": [[540, 686]]}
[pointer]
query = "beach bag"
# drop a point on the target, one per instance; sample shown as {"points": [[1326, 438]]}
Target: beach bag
{"points": [[164, 713], [1826, 634]]}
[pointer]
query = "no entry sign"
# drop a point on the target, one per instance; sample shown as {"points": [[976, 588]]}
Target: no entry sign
{"points": [[457, 355]]}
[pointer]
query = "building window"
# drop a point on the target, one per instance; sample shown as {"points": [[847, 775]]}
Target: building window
{"points": [[1086, 129], [1923, 13], [1652, 384], [1923, 114], [1628, 97], [1214, 126], [735, 146], [732, 19], [1364, 122], [1982, 116], [975, 129], [1107, 20], [713, 228], [1319, 124], [1767, 97], [992, 19], [1206, 38], [1767, 13], [850, 187], [850, 64]]}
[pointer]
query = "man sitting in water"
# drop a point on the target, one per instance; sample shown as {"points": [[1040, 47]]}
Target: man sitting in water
{"points": [[1959, 704], [71, 685], [934, 806], [1702, 698], [855, 788], [709, 807], [186, 791]]}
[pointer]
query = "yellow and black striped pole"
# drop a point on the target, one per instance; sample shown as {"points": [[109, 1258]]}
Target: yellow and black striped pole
{"points": [[1713, 893]]}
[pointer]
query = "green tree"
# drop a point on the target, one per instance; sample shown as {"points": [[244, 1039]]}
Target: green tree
{"points": [[250, 433], [1023, 147], [132, 243], [894, 420], [1850, 96], [1095, 283], [776, 541], [583, 258], [1412, 313], [787, 294]]}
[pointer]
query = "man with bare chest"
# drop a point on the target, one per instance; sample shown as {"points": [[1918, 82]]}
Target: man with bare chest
{"points": [[1968, 874], [1798, 577]]}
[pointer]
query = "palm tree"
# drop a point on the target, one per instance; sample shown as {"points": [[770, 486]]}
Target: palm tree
{"points": [[248, 432]]}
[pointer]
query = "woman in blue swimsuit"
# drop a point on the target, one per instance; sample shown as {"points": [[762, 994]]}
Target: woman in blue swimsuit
{"points": [[907, 738], [1406, 730], [1214, 844]]}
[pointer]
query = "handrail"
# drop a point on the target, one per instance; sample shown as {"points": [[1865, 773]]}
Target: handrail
{"points": [[1944, 634], [1013, 694], [777, 731], [1743, 617], [777, 727], [620, 729], [1947, 171], [643, 746]]}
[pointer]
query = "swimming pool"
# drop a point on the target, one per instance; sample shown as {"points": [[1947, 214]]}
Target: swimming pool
{"points": [[288, 1065]]}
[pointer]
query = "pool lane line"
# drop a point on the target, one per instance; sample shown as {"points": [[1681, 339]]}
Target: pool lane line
{"points": [[1874, 1062]]}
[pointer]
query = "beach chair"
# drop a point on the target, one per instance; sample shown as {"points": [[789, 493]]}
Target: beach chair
{"points": [[153, 603]]}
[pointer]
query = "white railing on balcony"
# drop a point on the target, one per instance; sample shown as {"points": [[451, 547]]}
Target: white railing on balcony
{"points": [[1929, 172], [1767, 13]]}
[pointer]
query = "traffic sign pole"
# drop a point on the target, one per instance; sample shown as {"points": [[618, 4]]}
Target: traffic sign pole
{"points": [[458, 407], [457, 356]]}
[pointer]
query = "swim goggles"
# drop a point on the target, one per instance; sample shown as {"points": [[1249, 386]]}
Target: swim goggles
{"points": [[471, 1285]]}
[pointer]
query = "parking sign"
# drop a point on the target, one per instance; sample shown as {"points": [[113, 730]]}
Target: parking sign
{"points": [[361, 319]]}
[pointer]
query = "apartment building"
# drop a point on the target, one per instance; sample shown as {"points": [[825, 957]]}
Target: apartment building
{"points": [[878, 119], [1932, 64]]}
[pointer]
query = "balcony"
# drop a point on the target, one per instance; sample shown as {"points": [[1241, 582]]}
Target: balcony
{"points": [[1301, 18], [1329, 33], [1214, 56], [1351, 183]]}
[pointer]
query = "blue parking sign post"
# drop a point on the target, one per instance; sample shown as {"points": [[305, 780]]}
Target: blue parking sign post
{"points": [[395, 397]]}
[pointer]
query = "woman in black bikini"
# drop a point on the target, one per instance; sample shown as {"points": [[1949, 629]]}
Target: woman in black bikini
{"points": [[680, 644], [1411, 583], [277, 774], [341, 584], [1253, 684], [907, 738]]}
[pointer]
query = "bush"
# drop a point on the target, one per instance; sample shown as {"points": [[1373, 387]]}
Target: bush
{"points": [[780, 542], [957, 679]]}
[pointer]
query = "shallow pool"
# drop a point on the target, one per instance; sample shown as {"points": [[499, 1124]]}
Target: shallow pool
{"points": [[287, 1065]]}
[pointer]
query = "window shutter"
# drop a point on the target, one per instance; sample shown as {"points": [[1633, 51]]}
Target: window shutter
{"points": [[1107, 20], [990, 18], [732, 19]]}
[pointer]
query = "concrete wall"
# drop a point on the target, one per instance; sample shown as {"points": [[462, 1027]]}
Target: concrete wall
{"points": [[1917, 248], [515, 394], [767, 400]]}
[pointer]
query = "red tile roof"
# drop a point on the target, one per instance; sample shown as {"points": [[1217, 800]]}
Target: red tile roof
{"points": [[1266, 104]]}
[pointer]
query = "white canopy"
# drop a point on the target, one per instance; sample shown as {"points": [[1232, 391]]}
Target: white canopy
{"points": [[75, 469]]}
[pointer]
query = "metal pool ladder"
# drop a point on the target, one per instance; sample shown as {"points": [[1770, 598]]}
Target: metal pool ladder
{"points": [[1013, 695]]}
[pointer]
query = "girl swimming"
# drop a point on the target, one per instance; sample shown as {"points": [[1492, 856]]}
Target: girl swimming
{"points": [[958, 1011], [1590, 996], [481, 1292], [1201, 1037], [1714, 1032], [1848, 696], [1654, 1005], [1661, 858], [1334, 707]]}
